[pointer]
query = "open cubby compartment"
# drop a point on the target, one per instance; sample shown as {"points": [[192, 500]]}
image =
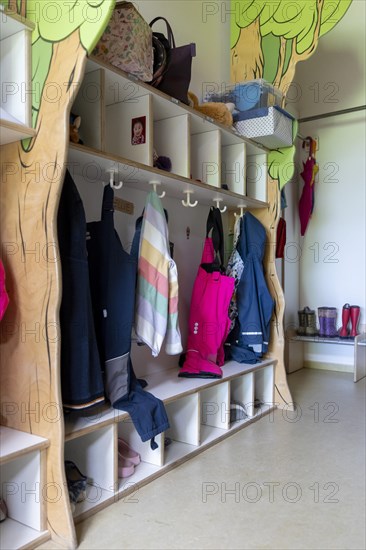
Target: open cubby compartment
{"points": [[233, 166], [215, 411], [263, 389], [172, 135], [89, 105], [94, 454], [184, 431], [127, 431], [242, 393], [15, 48], [23, 489], [151, 460], [256, 172], [120, 121], [206, 157]]}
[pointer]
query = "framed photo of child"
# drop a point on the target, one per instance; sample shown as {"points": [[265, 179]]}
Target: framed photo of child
{"points": [[138, 130]]}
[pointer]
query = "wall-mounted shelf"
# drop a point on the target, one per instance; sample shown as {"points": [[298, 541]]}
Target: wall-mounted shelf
{"points": [[204, 154], [93, 165]]}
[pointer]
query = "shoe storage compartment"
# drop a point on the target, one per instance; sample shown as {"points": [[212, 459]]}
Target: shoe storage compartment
{"points": [[151, 460], [215, 411], [242, 392], [263, 389], [23, 489], [184, 431], [95, 455]]}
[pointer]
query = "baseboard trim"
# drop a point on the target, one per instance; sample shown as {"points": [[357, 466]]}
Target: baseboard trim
{"points": [[328, 366]]}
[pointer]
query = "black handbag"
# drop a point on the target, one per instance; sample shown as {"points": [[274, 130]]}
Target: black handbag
{"points": [[172, 65]]}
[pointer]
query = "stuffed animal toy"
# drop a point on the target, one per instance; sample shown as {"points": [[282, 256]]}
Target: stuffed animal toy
{"points": [[75, 122], [221, 112], [163, 163]]}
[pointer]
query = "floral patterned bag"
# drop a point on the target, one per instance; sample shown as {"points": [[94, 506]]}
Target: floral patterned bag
{"points": [[127, 42]]}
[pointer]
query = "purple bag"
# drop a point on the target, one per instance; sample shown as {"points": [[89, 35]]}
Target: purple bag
{"points": [[172, 65]]}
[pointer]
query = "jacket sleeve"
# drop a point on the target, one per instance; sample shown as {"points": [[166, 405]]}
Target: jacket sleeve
{"points": [[173, 344]]}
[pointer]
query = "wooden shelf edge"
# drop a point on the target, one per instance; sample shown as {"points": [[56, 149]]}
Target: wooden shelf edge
{"points": [[21, 131], [38, 445], [166, 177], [18, 18], [322, 340]]}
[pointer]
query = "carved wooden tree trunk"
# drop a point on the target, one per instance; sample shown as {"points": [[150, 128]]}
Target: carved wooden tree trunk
{"points": [[269, 218], [30, 332], [246, 56]]}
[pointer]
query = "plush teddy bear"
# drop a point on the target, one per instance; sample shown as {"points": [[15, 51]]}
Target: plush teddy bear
{"points": [[221, 112], [75, 122]]}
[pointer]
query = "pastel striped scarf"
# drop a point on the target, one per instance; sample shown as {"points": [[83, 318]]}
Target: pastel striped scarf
{"points": [[157, 283]]}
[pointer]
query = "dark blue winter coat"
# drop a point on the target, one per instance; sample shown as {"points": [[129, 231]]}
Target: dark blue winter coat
{"points": [[249, 339]]}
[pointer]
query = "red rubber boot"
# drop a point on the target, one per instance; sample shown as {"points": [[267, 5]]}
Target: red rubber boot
{"points": [[346, 312], [355, 315]]}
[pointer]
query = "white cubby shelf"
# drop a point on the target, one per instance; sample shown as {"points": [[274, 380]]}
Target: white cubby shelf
{"points": [[204, 155], [15, 59], [22, 474], [199, 415]]}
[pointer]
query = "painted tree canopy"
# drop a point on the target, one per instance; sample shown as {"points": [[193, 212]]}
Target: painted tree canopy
{"points": [[287, 32], [268, 39]]}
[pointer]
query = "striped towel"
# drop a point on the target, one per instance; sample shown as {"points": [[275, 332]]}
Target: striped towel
{"points": [[157, 283]]}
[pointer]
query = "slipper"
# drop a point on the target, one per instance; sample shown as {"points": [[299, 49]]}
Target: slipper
{"points": [[125, 450], [125, 467], [76, 482], [3, 510], [237, 411]]}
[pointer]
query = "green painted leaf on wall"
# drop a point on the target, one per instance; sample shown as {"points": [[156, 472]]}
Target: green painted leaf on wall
{"points": [[287, 18], [332, 13], [41, 59], [55, 20], [270, 48]]}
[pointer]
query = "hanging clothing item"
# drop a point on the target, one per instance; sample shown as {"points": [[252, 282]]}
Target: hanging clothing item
{"points": [[157, 283], [81, 374], [113, 280], [4, 298], [281, 238], [234, 269], [307, 199], [249, 339], [208, 318]]}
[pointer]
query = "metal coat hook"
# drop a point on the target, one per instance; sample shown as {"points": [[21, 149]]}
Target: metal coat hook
{"points": [[188, 201], [217, 201], [155, 183], [241, 207], [112, 172]]}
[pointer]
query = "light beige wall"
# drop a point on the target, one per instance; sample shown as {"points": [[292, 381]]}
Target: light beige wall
{"points": [[333, 258], [205, 23]]}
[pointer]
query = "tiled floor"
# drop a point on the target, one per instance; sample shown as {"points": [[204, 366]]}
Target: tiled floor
{"points": [[291, 480]]}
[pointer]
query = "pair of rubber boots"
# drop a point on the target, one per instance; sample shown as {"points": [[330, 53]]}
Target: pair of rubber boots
{"points": [[353, 313]]}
